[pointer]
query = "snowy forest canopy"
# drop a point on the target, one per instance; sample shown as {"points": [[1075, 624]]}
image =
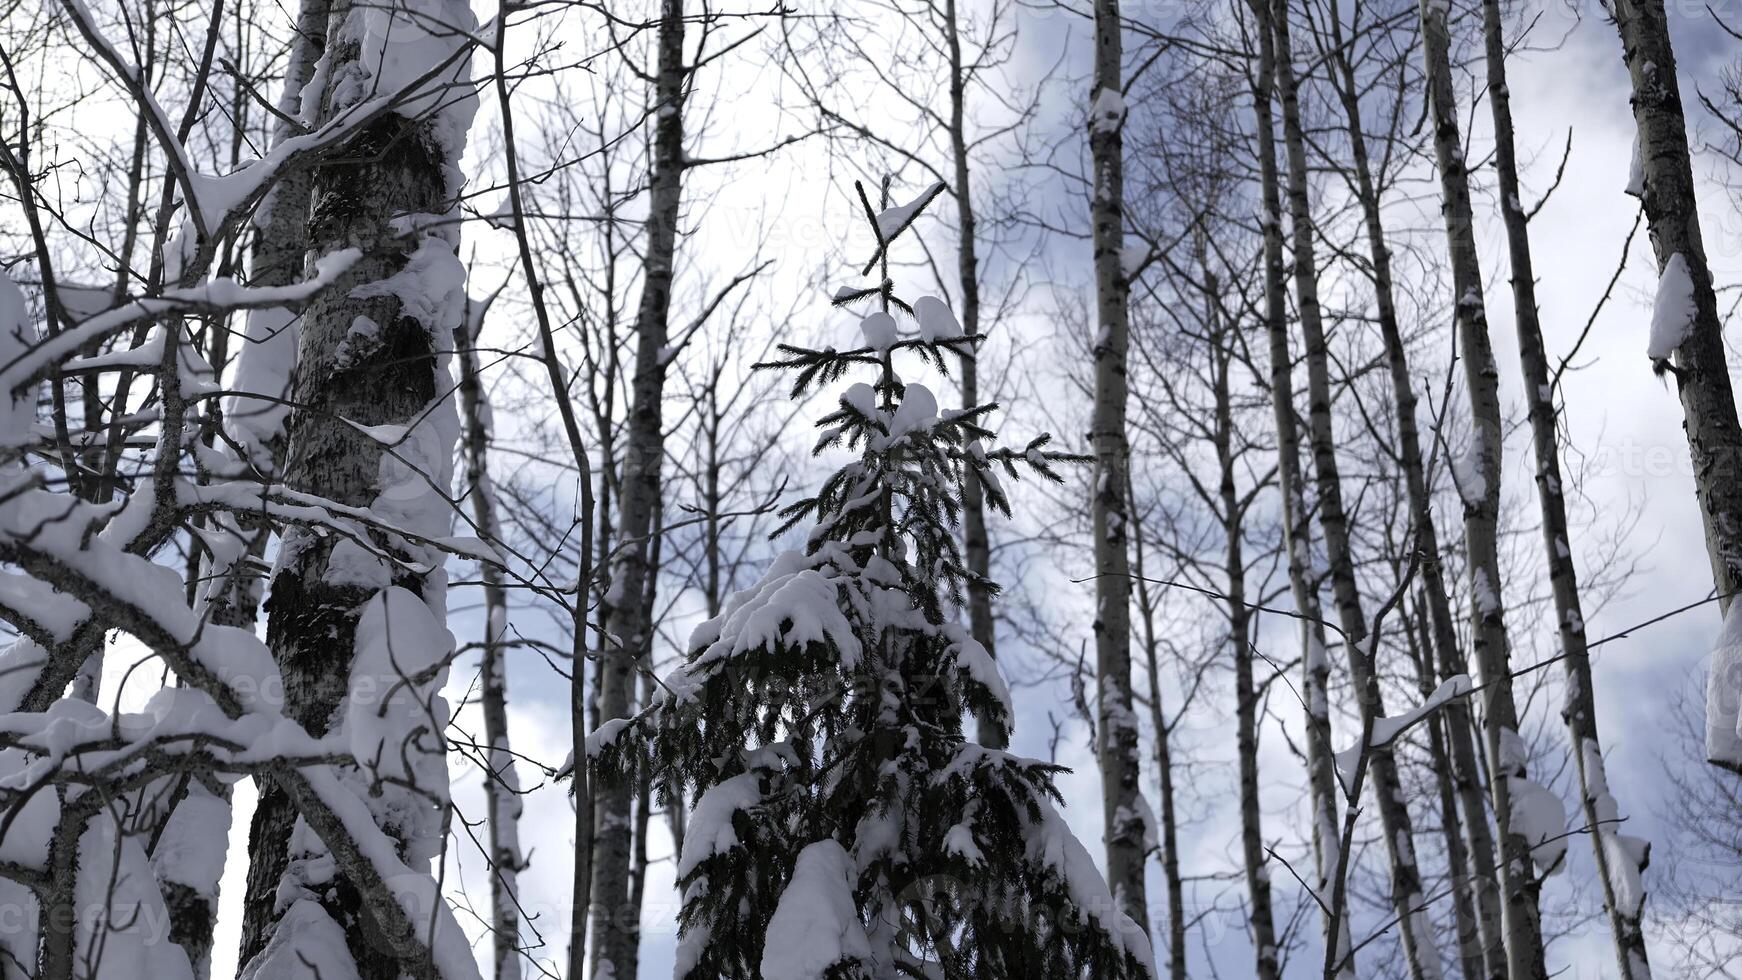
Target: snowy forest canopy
{"points": [[902, 488]]}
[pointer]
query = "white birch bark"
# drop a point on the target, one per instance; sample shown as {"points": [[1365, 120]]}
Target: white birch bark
{"points": [[1619, 857], [1116, 727], [1699, 365], [501, 781], [616, 923], [1479, 487], [1464, 771], [1297, 531], [1408, 895]]}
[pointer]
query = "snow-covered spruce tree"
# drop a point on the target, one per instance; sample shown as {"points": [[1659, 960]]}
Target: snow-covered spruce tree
{"points": [[844, 826]]}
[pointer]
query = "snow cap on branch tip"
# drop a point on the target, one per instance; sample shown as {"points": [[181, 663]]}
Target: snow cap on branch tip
{"points": [[892, 221], [879, 330], [936, 320]]}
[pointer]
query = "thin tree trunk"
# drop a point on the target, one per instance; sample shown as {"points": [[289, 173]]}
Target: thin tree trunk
{"points": [[1116, 724], [1480, 489], [976, 550], [1417, 941], [1407, 895], [1617, 858], [1465, 770], [1470, 951], [617, 927], [1315, 665], [394, 166], [1700, 367], [1169, 843], [501, 781], [1261, 918]]}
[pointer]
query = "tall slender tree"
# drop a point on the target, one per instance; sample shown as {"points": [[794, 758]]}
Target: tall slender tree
{"points": [[1620, 858], [1478, 484], [1690, 343], [628, 621], [1464, 771], [1116, 725], [1291, 484], [1408, 894], [501, 780]]}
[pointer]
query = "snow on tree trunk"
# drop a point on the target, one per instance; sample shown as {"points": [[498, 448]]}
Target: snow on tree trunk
{"points": [[265, 365], [1579, 709], [1700, 367], [1464, 771], [1297, 530], [359, 640], [501, 782], [616, 926], [1408, 896], [1116, 727], [1479, 486]]}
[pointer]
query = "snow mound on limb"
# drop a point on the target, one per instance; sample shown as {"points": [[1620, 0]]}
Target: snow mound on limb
{"points": [[816, 928], [936, 320]]}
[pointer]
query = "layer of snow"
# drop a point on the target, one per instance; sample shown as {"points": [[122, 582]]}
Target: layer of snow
{"points": [[936, 320], [394, 718], [816, 926], [1672, 312], [305, 943], [1541, 818], [709, 830], [1107, 112], [879, 330], [917, 412], [890, 221], [1724, 693], [1387, 729]]}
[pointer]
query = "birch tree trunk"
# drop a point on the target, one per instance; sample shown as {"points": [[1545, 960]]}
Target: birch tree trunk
{"points": [[501, 781], [1169, 842], [1297, 532], [1701, 371], [1261, 917], [371, 352], [1465, 771], [616, 924], [1407, 895], [976, 549], [1471, 954], [1479, 486], [1620, 858], [1121, 794]]}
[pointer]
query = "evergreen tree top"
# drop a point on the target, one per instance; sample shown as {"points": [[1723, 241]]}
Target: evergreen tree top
{"points": [[844, 825]]}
